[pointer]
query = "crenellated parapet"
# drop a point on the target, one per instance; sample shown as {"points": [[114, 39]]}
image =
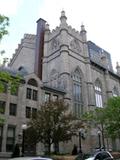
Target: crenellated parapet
{"points": [[27, 41], [29, 36], [65, 27], [64, 35], [74, 32], [71, 31]]}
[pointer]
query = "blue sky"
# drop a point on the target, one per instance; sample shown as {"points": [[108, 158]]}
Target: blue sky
{"points": [[100, 17]]}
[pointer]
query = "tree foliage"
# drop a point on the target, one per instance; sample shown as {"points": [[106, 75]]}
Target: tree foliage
{"points": [[8, 82], [113, 117], [4, 22], [106, 119], [11, 82], [97, 119], [53, 124]]}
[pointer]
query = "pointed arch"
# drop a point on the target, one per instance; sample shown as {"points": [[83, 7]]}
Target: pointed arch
{"points": [[98, 93], [78, 70]]}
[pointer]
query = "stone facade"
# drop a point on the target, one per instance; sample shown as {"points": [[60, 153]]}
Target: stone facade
{"points": [[71, 67], [24, 56]]}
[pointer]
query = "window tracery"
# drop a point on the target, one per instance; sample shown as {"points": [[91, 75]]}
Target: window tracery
{"points": [[98, 94], [77, 93]]}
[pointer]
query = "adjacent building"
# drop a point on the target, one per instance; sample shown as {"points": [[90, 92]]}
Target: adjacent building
{"points": [[57, 63]]}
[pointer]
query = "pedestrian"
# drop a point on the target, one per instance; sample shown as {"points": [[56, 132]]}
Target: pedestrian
{"points": [[16, 151]]}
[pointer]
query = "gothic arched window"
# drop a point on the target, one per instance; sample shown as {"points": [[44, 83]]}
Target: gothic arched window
{"points": [[98, 94], [77, 93]]}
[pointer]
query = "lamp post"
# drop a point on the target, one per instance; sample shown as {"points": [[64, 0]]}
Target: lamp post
{"points": [[24, 127], [99, 139], [80, 136]]}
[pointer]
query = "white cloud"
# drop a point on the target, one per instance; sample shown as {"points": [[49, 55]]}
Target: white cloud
{"points": [[9, 7]]}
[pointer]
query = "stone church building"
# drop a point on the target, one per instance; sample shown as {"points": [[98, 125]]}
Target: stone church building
{"points": [[57, 63]]}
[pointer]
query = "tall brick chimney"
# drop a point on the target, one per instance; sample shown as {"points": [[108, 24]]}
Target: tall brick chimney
{"points": [[39, 50]]}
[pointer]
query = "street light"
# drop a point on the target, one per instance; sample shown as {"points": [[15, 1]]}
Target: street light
{"points": [[24, 127], [80, 137], [99, 139]]}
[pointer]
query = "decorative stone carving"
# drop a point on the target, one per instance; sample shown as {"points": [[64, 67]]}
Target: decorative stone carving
{"points": [[55, 44], [75, 45]]}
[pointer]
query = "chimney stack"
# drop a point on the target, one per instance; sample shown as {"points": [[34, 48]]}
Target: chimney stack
{"points": [[39, 50]]}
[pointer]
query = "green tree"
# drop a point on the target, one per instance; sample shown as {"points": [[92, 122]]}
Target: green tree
{"points": [[53, 124], [97, 119], [113, 117], [6, 77], [7, 81], [4, 22]]}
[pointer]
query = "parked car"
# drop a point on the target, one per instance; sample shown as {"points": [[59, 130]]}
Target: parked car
{"points": [[30, 158], [101, 155]]}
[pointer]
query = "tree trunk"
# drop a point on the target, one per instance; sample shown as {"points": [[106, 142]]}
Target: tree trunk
{"points": [[56, 147], [49, 148]]}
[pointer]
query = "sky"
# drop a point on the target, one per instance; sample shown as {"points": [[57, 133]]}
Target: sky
{"points": [[100, 17]]}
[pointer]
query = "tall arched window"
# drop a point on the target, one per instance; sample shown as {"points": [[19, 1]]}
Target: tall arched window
{"points": [[98, 94], [115, 92], [77, 93]]}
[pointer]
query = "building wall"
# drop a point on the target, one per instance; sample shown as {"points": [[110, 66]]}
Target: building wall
{"points": [[25, 54], [65, 50], [20, 117], [22, 102]]}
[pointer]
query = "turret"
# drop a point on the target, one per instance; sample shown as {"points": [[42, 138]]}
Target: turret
{"points": [[63, 19], [83, 33], [47, 29], [118, 68], [103, 59]]}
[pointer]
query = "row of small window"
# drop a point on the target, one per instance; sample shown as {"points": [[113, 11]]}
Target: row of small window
{"points": [[32, 94], [12, 108], [5, 89], [48, 97], [30, 112], [10, 140]]}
